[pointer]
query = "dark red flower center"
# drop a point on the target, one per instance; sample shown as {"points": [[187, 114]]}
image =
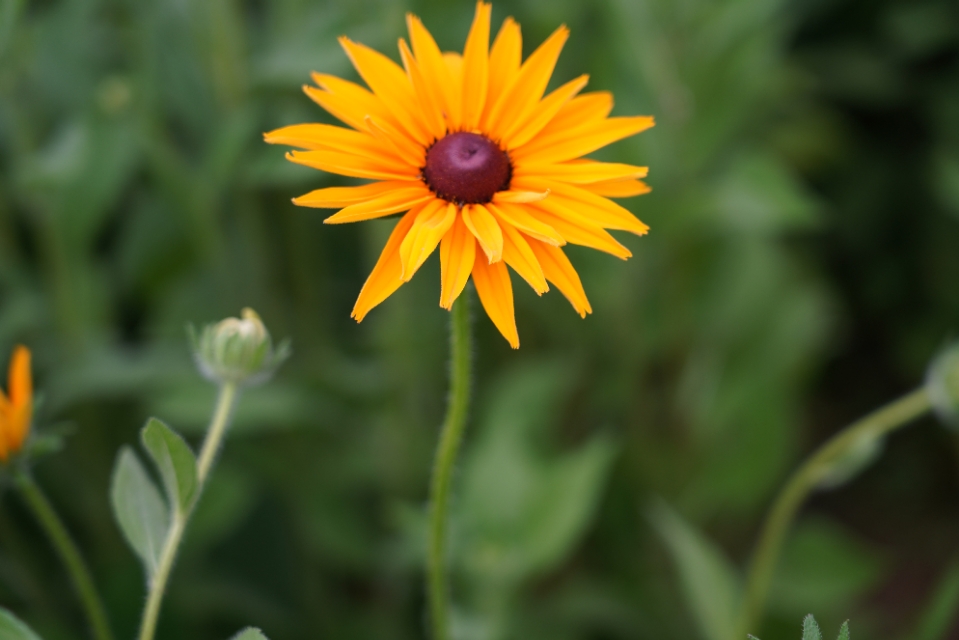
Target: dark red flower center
{"points": [[466, 168]]}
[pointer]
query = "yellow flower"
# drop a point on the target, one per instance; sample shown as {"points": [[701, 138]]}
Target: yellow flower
{"points": [[487, 168], [16, 409]]}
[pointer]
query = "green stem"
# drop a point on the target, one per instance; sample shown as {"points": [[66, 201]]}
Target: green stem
{"points": [[69, 554], [450, 438], [894, 415], [211, 445]]}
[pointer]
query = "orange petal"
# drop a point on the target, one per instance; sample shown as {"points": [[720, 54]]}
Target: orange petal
{"points": [[476, 67], [524, 219], [19, 380], [484, 228], [578, 205], [523, 131], [454, 62], [392, 138], [432, 223], [581, 171], [347, 164], [519, 197], [386, 275], [496, 293], [431, 104], [336, 197], [558, 270], [19, 426], [517, 254], [346, 100], [326, 136], [457, 252], [578, 232], [20, 395], [521, 97], [384, 205], [580, 111], [436, 72], [618, 188], [575, 143], [390, 84], [504, 62]]}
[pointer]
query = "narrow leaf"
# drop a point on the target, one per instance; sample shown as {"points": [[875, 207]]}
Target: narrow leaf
{"points": [[844, 631], [174, 459], [138, 508], [708, 579], [12, 628], [250, 634], [810, 629]]}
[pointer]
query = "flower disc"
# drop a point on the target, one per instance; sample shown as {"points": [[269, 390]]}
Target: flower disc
{"points": [[467, 168]]}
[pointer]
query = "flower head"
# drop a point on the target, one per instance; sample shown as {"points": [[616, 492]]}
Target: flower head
{"points": [[237, 350], [16, 406], [485, 166]]}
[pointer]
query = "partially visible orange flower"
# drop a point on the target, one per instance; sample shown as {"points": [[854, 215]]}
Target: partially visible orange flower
{"points": [[16, 408], [490, 170]]}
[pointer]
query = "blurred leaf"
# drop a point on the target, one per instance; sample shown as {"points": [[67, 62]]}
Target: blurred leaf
{"points": [[229, 496], [521, 509], [760, 195], [250, 633], [810, 629], [942, 606], [139, 509], [823, 568], [175, 461], [11, 628], [947, 181], [708, 578]]}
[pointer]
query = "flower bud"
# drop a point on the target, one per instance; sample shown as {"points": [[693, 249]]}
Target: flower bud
{"points": [[237, 350], [942, 385]]}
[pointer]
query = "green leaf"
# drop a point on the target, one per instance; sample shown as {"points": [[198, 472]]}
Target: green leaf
{"points": [[250, 633], [708, 578], [12, 628], [174, 459], [810, 629], [139, 509], [844, 631]]}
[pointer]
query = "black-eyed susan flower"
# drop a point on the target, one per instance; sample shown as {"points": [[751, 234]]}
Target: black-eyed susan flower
{"points": [[16, 406], [485, 166]]}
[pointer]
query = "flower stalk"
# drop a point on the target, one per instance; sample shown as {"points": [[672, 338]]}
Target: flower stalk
{"points": [[226, 401], [69, 553], [813, 472], [451, 437]]}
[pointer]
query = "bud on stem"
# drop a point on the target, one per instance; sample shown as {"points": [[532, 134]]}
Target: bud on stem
{"points": [[237, 350]]}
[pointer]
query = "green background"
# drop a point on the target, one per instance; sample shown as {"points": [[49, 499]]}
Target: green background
{"points": [[802, 268]]}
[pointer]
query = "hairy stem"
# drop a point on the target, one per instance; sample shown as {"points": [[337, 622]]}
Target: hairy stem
{"points": [[894, 415], [446, 452], [211, 445], [69, 554]]}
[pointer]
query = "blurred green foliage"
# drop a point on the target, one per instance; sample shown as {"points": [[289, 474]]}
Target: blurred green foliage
{"points": [[801, 269]]}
